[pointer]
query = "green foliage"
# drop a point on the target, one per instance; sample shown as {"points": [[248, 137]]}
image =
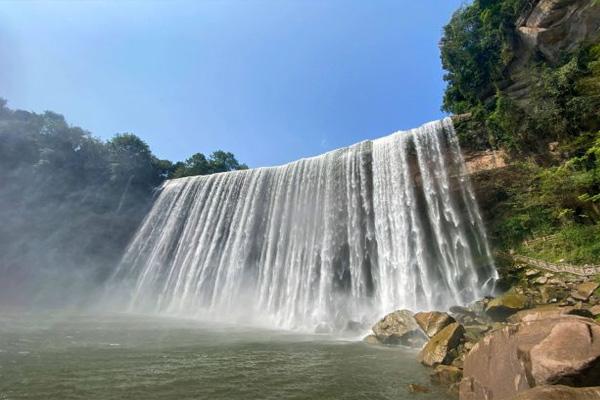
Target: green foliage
{"points": [[563, 200], [198, 164], [576, 244], [476, 47]]}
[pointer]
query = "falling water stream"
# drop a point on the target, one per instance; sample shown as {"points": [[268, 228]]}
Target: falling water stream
{"points": [[345, 236]]}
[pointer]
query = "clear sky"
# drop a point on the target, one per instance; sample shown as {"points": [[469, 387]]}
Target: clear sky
{"points": [[271, 81]]}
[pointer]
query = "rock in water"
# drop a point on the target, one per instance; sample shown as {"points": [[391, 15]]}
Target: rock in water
{"points": [[399, 327], [438, 349], [446, 375], [509, 303], [559, 392], [584, 291], [560, 350], [371, 339], [432, 322], [414, 388]]}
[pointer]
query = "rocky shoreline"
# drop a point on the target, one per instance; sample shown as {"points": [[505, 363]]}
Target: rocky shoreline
{"points": [[538, 340]]}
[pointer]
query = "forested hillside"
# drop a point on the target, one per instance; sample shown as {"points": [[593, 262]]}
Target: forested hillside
{"points": [[69, 202], [528, 72]]}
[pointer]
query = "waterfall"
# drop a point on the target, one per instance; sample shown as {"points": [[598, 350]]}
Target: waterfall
{"points": [[347, 235]]}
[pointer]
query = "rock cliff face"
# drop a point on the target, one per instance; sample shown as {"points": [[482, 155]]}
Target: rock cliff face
{"points": [[548, 29], [556, 26]]}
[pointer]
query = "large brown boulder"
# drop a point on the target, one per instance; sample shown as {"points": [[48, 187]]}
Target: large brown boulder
{"points": [[559, 392], [439, 348], [584, 291], [446, 375], [547, 311], [560, 350], [399, 327], [504, 306], [432, 322]]}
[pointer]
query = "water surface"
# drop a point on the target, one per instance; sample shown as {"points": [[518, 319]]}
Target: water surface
{"points": [[140, 357]]}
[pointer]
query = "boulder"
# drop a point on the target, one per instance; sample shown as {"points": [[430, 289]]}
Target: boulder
{"points": [[446, 375], [532, 272], [552, 294], [432, 322], [595, 311], [559, 392], [463, 311], [439, 348], [584, 291], [475, 332], [416, 388], [399, 327], [547, 311], [371, 339], [509, 303], [559, 350]]}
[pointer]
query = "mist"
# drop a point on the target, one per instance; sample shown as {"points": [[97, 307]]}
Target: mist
{"points": [[69, 204]]}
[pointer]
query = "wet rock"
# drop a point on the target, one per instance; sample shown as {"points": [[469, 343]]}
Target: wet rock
{"points": [[446, 375], [463, 311], [552, 294], [399, 327], [507, 304], [475, 332], [531, 272], [584, 291], [559, 392], [542, 280], [547, 311], [439, 349], [371, 339], [559, 350], [415, 388], [432, 322]]}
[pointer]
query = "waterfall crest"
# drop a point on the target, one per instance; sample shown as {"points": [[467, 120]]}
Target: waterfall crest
{"points": [[348, 235]]}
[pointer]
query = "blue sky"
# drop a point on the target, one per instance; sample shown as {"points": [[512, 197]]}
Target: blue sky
{"points": [[271, 81]]}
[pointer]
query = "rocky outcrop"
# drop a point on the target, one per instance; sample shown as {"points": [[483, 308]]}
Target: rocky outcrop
{"points": [[510, 360], [547, 311], [433, 321], [439, 350], [507, 304], [559, 392], [399, 327], [556, 26], [446, 375], [584, 291], [549, 28]]}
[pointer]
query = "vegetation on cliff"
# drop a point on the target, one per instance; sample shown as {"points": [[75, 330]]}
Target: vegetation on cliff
{"points": [[544, 114]]}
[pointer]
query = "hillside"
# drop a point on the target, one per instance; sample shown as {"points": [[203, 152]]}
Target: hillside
{"points": [[528, 73]]}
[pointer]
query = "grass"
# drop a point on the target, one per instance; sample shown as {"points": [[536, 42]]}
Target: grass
{"points": [[574, 244]]}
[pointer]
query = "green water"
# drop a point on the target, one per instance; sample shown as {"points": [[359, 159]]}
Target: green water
{"points": [[133, 357]]}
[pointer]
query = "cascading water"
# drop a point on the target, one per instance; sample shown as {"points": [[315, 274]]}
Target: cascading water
{"points": [[348, 235]]}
